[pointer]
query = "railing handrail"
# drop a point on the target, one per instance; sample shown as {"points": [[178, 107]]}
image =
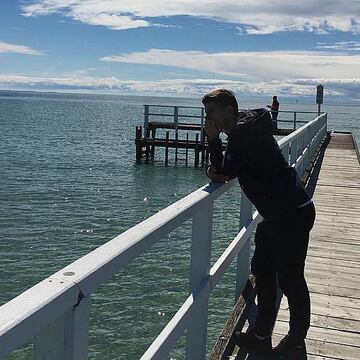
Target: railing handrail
{"points": [[65, 294], [170, 334], [297, 111], [176, 115], [287, 139], [201, 107], [165, 340], [81, 277], [172, 106]]}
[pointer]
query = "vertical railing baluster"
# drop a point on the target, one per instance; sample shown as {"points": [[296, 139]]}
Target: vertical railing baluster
{"points": [[202, 135], [285, 152], [67, 337], [243, 259], [325, 130], [196, 335], [300, 148], [176, 119], [293, 151]]}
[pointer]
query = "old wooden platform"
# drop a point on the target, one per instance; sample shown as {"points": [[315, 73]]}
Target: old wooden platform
{"points": [[154, 125], [333, 261], [146, 141], [172, 132]]}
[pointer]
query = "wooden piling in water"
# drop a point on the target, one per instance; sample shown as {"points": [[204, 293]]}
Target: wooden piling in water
{"points": [[138, 132], [176, 147], [187, 149], [153, 146], [197, 150], [167, 149]]}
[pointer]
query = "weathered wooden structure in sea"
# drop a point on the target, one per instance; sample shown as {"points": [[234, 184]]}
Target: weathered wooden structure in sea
{"points": [[181, 129], [54, 314]]}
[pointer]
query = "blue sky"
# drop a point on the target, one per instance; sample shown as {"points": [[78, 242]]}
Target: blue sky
{"points": [[183, 47]]}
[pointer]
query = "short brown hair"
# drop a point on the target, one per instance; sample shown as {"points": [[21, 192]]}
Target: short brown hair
{"points": [[223, 97]]}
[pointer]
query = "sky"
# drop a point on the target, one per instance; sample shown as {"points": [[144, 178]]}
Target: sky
{"points": [[182, 47]]}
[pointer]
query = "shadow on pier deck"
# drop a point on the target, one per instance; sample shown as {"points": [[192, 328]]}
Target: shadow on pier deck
{"points": [[332, 265]]}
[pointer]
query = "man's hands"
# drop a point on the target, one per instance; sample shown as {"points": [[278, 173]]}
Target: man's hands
{"points": [[211, 129], [211, 173]]}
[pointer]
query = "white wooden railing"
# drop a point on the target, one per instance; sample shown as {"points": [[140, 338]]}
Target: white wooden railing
{"points": [[189, 113], [55, 312]]}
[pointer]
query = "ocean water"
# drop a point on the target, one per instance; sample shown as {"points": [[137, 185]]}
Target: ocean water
{"points": [[69, 183]]}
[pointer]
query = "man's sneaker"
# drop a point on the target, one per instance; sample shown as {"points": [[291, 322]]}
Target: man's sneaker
{"points": [[250, 342], [290, 349]]}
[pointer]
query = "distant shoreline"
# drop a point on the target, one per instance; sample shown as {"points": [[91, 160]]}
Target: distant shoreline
{"points": [[285, 99]]}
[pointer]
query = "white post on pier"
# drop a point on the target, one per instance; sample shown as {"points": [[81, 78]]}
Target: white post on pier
{"points": [[243, 259], [300, 149], [67, 337], [285, 152], [196, 335], [306, 149], [293, 151]]}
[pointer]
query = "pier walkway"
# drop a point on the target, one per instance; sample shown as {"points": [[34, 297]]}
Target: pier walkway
{"points": [[333, 261], [55, 313]]}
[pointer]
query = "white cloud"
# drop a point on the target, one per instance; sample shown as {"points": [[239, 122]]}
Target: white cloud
{"points": [[82, 72], [252, 66], [18, 49], [341, 45], [254, 16], [81, 82], [296, 87]]}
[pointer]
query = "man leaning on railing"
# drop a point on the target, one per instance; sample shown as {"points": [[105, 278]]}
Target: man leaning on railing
{"points": [[253, 156]]}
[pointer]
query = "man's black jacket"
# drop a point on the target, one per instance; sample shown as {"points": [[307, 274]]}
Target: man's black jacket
{"points": [[253, 156]]}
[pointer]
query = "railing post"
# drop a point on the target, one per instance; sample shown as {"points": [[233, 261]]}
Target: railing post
{"points": [[293, 151], [285, 152], [196, 151], [312, 147], [146, 120], [325, 124], [309, 147], [301, 141], [176, 119], [243, 259], [294, 120], [196, 335], [67, 337], [202, 139]]}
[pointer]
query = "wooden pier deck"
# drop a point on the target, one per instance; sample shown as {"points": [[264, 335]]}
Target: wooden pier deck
{"points": [[333, 261]]}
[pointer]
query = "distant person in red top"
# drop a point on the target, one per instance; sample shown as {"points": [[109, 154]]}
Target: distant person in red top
{"points": [[274, 111]]}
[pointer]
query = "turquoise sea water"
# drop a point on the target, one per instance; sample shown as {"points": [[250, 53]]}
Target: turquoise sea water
{"points": [[69, 183]]}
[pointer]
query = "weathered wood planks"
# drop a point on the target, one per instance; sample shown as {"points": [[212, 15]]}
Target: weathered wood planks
{"points": [[333, 261]]}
